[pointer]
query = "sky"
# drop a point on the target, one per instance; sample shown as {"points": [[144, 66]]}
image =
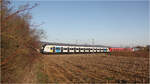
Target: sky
{"points": [[117, 23]]}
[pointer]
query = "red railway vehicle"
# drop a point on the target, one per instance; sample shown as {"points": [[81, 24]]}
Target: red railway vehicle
{"points": [[120, 49]]}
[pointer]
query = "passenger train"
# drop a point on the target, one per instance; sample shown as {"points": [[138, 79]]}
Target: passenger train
{"points": [[72, 49], [47, 48]]}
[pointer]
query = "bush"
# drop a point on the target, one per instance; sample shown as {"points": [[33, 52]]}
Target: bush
{"points": [[18, 42], [140, 53]]}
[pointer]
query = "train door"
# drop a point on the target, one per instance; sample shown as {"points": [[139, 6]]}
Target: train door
{"points": [[105, 49], [58, 49], [76, 49], [51, 49]]}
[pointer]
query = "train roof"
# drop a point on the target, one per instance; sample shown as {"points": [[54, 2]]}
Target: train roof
{"points": [[66, 44]]}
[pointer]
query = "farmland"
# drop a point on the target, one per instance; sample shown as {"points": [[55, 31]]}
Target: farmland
{"points": [[95, 68]]}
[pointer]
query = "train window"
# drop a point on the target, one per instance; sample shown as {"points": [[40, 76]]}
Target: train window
{"points": [[82, 48], [65, 48], [71, 48], [51, 48], [57, 48]]}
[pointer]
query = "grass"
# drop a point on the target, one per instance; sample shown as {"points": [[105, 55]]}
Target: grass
{"points": [[41, 76], [140, 53]]}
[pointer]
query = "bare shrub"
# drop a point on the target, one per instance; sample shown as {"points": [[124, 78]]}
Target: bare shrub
{"points": [[18, 42]]}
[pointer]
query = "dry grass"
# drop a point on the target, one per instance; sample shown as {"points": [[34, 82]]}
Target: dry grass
{"points": [[94, 68], [140, 53]]}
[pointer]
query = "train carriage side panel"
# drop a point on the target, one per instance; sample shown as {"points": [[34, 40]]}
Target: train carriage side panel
{"points": [[82, 49], [95, 49], [48, 49], [101, 49], [51, 49], [57, 49], [86, 49], [71, 49], [77, 49], [91, 49], [98, 49], [65, 49]]}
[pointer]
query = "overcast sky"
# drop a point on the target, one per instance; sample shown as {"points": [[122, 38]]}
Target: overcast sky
{"points": [[111, 22]]}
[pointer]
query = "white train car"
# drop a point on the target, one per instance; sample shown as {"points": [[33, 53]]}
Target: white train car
{"points": [[77, 49], [98, 49], [87, 49], [65, 49], [95, 49], [82, 49], [71, 49], [101, 49], [91, 49]]}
